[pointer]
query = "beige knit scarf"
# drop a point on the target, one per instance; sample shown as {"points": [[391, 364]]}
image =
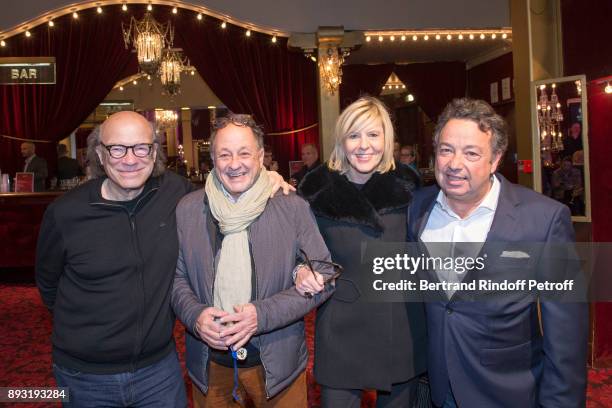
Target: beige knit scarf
{"points": [[233, 278]]}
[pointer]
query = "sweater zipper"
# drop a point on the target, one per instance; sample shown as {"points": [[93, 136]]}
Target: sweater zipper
{"points": [[256, 298], [136, 248]]}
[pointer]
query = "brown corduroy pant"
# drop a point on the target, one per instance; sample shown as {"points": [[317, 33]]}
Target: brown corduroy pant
{"points": [[252, 387]]}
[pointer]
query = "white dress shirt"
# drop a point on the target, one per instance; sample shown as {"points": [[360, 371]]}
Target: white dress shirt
{"points": [[444, 225]]}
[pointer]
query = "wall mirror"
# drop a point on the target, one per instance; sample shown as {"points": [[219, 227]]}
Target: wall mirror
{"points": [[561, 148]]}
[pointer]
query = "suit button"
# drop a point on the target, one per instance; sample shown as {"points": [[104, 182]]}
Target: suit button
{"points": [[449, 310]]}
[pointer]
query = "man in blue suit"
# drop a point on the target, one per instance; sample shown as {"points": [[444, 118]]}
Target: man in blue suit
{"points": [[498, 353]]}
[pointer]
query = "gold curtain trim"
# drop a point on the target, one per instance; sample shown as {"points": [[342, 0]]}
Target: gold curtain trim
{"points": [[288, 132], [26, 140]]}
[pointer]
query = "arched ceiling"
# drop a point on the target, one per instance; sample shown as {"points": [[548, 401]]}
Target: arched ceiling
{"points": [[305, 16]]}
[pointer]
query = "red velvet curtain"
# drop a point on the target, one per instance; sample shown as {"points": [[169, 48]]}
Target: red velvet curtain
{"points": [[433, 84], [361, 79], [256, 76], [90, 59], [600, 151]]}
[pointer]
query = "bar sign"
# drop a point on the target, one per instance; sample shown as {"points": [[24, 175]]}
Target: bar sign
{"points": [[27, 70]]}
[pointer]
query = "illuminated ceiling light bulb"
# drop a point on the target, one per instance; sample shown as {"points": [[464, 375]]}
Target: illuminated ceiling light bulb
{"points": [[368, 38], [149, 77], [410, 98], [392, 38], [174, 10], [2, 43], [403, 86], [124, 7], [274, 39], [504, 36], [437, 36], [471, 36], [248, 33], [493, 36], [449, 37], [99, 10], [121, 88], [199, 16], [554, 85], [482, 36], [380, 38], [150, 7], [192, 72], [223, 24], [414, 38], [403, 38], [28, 34], [51, 23], [75, 15], [460, 36], [426, 37], [542, 87], [607, 89], [135, 82]]}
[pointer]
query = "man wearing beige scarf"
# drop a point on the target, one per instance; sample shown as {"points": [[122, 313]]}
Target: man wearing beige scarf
{"points": [[233, 288]]}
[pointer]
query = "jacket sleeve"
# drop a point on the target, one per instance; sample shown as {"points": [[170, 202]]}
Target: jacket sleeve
{"points": [[565, 327], [49, 258], [289, 306], [185, 302]]}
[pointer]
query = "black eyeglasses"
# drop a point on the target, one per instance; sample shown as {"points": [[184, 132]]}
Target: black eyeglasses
{"points": [[118, 151], [324, 264]]}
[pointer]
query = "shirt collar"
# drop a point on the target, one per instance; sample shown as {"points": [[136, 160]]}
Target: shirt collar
{"points": [[489, 202]]}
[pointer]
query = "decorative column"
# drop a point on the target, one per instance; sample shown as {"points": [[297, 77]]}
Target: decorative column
{"points": [[317, 44], [188, 139], [537, 54]]}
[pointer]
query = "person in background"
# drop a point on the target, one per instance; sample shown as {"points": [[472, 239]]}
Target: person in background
{"points": [[35, 164], [408, 156], [67, 167], [310, 157], [269, 162], [396, 152], [233, 287], [572, 142], [408, 161], [567, 187], [359, 198]]}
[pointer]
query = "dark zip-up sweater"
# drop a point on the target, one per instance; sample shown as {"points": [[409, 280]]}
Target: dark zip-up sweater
{"points": [[106, 275]]}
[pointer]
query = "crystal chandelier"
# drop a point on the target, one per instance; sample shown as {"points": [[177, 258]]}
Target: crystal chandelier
{"points": [[330, 68], [549, 120], [165, 119], [149, 39], [172, 65]]}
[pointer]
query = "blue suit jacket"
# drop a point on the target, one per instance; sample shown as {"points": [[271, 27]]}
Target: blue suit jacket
{"points": [[493, 353]]}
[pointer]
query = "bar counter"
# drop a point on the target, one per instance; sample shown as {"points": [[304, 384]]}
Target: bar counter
{"points": [[20, 218]]}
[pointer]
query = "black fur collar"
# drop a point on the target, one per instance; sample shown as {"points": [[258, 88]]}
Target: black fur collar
{"points": [[333, 196]]}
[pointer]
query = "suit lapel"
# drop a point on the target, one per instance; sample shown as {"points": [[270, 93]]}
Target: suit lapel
{"points": [[421, 221]]}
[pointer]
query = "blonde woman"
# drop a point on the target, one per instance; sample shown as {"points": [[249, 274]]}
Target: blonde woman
{"points": [[359, 197]]}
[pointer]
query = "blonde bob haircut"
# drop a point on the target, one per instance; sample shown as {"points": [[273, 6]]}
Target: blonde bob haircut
{"points": [[355, 118]]}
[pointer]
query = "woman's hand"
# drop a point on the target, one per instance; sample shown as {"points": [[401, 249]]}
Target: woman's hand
{"points": [[308, 283], [278, 183]]}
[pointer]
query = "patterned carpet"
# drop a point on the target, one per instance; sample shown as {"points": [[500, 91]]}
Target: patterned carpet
{"points": [[25, 350]]}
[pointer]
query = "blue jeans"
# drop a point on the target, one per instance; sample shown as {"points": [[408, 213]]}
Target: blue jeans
{"points": [[158, 385]]}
